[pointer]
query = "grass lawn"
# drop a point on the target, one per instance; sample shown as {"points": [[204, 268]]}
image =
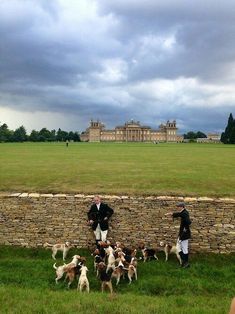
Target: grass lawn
{"points": [[27, 286], [125, 168]]}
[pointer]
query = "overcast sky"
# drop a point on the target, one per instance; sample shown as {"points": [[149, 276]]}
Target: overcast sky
{"points": [[63, 62]]}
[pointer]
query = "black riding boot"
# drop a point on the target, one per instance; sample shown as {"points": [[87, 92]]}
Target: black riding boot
{"points": [[181, 254], [186, 263], [97, 244]]}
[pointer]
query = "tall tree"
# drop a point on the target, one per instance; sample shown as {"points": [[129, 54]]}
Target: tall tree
{"points": [[232, 134], [20, 134], [44, 135], [33, 136], [61, 135], [53, 135], [5, 133], [76, 137], [226, 135]]}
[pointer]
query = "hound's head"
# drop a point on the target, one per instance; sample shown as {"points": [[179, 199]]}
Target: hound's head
{"points": [[121, 254], [118, 244], [101, 266], [103, 244], [82, 260], [69, 244], [109, 250], [77, 257], [117, 250], [141, 245], [96, 252]]}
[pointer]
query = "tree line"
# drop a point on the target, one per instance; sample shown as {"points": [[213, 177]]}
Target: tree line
{"points": [[228, 136], [194, 135], [44, 135]]}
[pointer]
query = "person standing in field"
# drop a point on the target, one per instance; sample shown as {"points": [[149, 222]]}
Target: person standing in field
{"points": [[184, 233], [98, 217]]}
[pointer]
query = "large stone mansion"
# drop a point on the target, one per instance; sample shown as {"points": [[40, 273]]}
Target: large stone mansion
{"points": [[131, 131]]}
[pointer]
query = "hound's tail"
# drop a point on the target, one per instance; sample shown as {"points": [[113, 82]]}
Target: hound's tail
{"points": [[54, 266]]}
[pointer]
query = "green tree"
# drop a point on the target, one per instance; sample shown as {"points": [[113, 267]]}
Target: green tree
{"points": [[232, 134], [44, 135], [226, 136], [76, 137], [190, 135], [223, 138], [20, 134], [5, 133], [33, 136], [200, 134], [53, 136], [70, 136], [61, 136]]}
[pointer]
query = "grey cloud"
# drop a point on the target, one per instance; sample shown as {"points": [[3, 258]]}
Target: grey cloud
{"points": [[203, 33]]}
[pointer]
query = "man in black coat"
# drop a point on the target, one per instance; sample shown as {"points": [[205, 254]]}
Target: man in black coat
{"points": [[98, 217], [184, 233]]}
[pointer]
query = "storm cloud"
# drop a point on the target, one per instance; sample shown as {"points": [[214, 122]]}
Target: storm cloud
{"points": [[65, 62]]}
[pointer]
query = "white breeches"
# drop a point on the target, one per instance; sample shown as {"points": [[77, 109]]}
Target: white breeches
{"points": [[182, 245], [99, 234]]}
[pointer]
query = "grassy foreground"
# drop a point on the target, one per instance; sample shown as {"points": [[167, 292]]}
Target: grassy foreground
{"points": [[27, 286], [129, 168]]}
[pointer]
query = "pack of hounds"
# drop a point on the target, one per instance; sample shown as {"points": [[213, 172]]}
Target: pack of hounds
{"points": [[110, 262]]}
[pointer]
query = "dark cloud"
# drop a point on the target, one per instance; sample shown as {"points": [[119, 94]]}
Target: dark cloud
{"points": [[203, 34], [117, 60]]}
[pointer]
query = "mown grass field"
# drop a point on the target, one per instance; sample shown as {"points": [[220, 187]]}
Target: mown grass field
{"points": [[27, 286], [125, 168]]}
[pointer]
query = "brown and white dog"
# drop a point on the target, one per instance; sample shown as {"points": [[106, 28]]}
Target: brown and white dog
{"points": [[148, 253], [83, 281], [64, 247], [111, 259], [60, 270], [170, 249], [132, 271], [119, 271], [128, 251], [73, 272], [105, 277], [126, 263], [97, 259]]}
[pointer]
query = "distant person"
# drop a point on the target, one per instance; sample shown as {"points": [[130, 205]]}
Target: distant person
{"points": [[67, 143], [98, 217], [184, 233]]}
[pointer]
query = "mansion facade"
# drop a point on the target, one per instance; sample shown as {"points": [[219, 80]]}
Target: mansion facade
{"points": [[131, 131]]}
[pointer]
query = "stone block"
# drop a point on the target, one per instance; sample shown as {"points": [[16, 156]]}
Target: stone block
{"points": [[205, 199], [24, 195], [60, 195], [14, 194], [34, 195]]}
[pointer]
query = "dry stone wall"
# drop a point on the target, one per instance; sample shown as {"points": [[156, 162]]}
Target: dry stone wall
{"points": [[32, 219]]}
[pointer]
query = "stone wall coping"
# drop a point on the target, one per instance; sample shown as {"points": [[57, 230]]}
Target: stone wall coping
{"points": [[186, 199]]}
